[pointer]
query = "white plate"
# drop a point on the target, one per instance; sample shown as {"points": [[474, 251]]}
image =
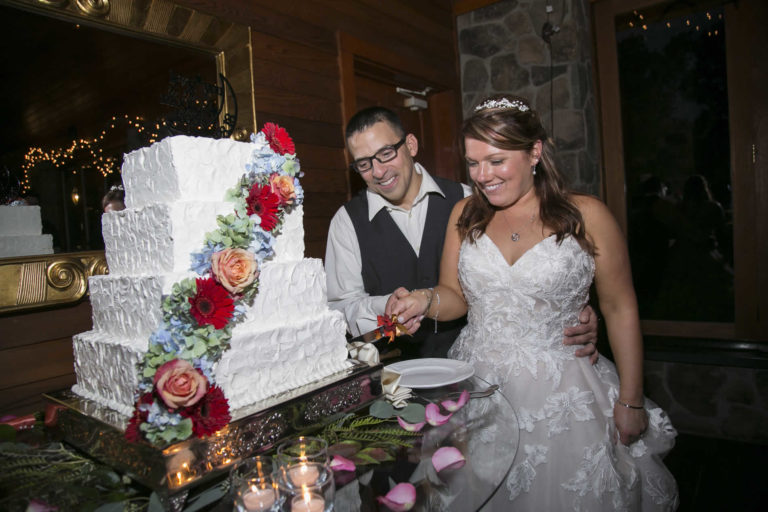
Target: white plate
{"points": [[431, 372]]}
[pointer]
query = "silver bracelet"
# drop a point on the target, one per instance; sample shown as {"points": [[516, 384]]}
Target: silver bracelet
{"points": [[437, 311], [429, 298], [630, 406]]}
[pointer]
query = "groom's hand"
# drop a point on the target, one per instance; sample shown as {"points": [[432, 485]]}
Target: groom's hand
{"points": [[584, 334]]}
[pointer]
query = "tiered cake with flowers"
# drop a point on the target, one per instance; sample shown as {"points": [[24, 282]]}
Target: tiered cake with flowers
{"points": [[210, 305]]}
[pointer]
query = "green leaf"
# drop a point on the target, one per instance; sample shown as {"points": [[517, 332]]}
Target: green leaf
{"points": [[361, 459], [205, 498], [7, 433], [155, 504], [412, 413], [200, 348], [112, 507], [381, 409], [376, 453]]}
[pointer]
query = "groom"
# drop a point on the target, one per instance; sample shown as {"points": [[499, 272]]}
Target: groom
{"points": [[391, 234]]}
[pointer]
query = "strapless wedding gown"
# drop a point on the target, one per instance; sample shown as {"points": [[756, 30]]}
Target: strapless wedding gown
{"points": [[567, 458]]}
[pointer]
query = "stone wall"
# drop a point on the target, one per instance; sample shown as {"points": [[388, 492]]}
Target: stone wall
{"points": [[502, 51]]}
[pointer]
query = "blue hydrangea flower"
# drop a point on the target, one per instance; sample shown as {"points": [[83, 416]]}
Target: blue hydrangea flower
{"points": [[262, 244], [299, 191], [160, 416], [205, 365], [165, 339]]}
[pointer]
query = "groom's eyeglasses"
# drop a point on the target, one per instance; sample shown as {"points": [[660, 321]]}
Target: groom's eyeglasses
{"points": [[385, 154]]}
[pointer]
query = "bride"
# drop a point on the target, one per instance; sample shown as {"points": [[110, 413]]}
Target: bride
{"points": [[519, 258]]}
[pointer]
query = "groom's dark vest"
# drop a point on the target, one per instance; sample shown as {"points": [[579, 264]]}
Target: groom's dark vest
{"points": [[388, 261]]}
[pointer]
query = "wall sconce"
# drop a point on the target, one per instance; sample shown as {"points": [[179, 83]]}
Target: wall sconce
{"points": [[75, 196]]}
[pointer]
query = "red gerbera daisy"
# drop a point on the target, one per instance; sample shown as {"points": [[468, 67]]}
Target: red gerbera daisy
{"points": [[212, 304], [278, 139], [210, 414], [262, 201], [132, 432]]}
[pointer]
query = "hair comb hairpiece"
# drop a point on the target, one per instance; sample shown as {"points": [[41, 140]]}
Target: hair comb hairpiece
{"points": [[502, 104]]}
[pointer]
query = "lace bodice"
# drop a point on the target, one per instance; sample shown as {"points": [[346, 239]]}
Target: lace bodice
{"points": [[517, 312]]}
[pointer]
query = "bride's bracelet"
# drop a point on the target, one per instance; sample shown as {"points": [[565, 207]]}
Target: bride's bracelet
{"points": [[628, 406], [429, 297]]}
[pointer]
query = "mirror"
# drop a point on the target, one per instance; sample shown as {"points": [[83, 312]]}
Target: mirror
{"points": [[86, 82]]}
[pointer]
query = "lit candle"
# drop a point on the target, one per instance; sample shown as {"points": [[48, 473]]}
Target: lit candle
{"points": [[303, 474], [308, 502], [257, 499]]}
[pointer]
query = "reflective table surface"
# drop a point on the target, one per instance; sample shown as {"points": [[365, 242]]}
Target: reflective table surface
{"points": [[486, 432]]}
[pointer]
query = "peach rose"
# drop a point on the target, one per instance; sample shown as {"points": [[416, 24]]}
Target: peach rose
{"points": [[283, 187], [234, 269], [179, 384]]}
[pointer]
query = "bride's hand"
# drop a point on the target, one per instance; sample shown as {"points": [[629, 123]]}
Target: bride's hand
{"points": [[408, 307], [630, 423]]}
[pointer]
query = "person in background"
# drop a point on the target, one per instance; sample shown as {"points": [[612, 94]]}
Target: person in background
{"points": [[391, 235], [519, 258], [114, 199]]}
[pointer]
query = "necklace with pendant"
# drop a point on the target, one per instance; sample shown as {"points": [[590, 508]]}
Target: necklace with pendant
{"points": [[515, 236]]}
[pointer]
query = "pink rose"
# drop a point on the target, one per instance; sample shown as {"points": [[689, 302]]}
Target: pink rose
{"points": [[180, 384], [283, 187], [234, 269]]}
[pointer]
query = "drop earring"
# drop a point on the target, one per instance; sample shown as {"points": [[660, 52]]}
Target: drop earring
{"points": [[533, 169]]}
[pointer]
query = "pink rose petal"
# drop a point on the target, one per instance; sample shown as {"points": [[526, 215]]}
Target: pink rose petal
{"points": [[400, 498], [40, 506], [340, 463], [410, 427], [434, 417], [451, 406], [447, 457]]}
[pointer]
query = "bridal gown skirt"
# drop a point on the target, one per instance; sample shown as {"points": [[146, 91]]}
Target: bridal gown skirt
{"points": [[568, 457]]}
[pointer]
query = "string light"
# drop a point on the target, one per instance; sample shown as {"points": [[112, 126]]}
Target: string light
{"points": [[704, 22], [64, 156], [60, 157]]}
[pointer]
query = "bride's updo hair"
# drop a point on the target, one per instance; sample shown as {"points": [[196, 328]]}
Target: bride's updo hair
{"points": [[508, 122]]}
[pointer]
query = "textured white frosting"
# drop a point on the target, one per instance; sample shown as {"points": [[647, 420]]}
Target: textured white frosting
{"points": [[160, 238], [264, 362], [25, 245], [174, 191], [129, 306], [106, 369], [20, 220], [183, 168]]}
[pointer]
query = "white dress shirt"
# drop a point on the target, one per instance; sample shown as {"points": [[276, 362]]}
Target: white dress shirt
{"points": [[343, 262]]}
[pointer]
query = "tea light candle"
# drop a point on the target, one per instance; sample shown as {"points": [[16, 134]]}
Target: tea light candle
{"points": [[257, 499], [308, 502], [303, 474]]}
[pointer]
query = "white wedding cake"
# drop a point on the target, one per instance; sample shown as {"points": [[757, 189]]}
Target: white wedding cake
{"points": [[21, 232], [167, 248]]}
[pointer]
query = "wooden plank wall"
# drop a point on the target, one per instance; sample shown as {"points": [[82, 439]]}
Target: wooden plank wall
{"points": [[36, 355], [297, 79], [296, 84]]}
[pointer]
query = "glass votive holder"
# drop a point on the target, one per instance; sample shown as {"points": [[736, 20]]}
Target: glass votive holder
{"points": [[258, 467], [312, 498], [303, 461], [258, 495], [304, 474], [302, 449]]}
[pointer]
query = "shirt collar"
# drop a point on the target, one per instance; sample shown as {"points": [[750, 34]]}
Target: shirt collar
{"points": [[428, 186]]}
